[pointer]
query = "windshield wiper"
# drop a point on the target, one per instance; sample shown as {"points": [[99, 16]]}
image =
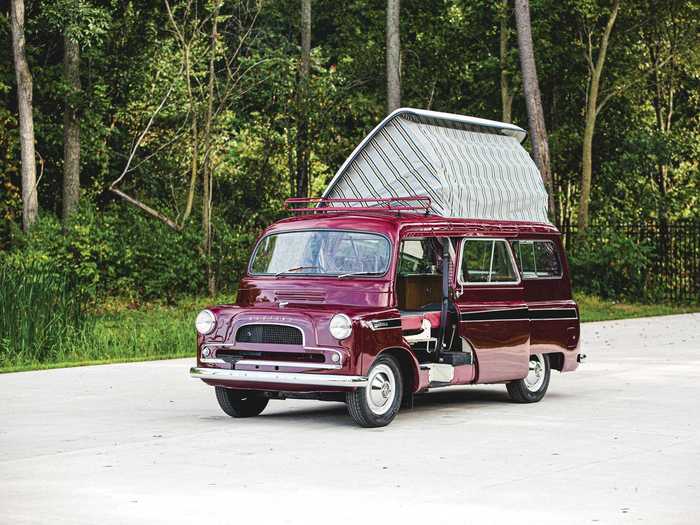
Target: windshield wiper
{"points": [[296, 269], [351, 274]]}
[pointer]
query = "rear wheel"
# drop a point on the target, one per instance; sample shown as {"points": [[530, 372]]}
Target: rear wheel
{"points": [[240, 403], [533, 387], [377, 404]]}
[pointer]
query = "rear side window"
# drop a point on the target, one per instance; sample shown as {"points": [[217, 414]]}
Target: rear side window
{"points": [[537, 259], [487, 261]]}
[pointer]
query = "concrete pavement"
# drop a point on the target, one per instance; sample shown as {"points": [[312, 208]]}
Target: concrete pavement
{"points": [[615, 442]]}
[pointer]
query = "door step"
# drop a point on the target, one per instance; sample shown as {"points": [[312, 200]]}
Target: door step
{"points": [[442, 374], [439, 372], [456, 358]]}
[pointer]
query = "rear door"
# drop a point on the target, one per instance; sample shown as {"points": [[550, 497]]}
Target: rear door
{"points": [[553, 313], [492, 309]]}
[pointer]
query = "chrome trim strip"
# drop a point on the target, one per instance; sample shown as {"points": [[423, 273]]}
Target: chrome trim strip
{"points": [[393, 319], [295, 364], [506, 309], [494, 320], [284, 378], [519, 319], [554, 319], [212, 346]]}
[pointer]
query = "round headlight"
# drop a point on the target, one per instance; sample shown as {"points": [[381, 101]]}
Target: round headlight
{"points": [[205, 322], [341, 326]]}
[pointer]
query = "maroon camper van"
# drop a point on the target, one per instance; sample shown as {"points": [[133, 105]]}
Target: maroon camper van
{"points": [[370, 295]]}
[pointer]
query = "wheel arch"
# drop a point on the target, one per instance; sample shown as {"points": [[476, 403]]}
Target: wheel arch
{"points": [[408, 363]]}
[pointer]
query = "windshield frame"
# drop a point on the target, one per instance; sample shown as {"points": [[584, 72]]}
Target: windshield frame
{"points": [[323, 275]]}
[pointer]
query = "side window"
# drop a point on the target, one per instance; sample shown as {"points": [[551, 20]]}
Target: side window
{"points": [[420, 256], [537, 259], [524, 252], [487, 261]]}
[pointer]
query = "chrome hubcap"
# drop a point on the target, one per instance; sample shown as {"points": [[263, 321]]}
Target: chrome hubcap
{"points": [[536, 374], [381, 389]]}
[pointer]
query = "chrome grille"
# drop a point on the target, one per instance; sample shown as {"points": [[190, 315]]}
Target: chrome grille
{"points": [[273, 334]]}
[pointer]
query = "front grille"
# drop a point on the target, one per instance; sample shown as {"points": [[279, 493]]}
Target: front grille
{"points": [[272, 334]]}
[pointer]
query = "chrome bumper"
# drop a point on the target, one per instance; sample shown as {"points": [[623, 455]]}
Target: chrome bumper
{"points": [[280, 378]]}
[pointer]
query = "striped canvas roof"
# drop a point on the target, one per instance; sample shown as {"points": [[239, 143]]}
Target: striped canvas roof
{"points": [[470, 167]]}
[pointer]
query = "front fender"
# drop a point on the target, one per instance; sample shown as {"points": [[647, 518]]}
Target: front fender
{"points": [[382, 335]]}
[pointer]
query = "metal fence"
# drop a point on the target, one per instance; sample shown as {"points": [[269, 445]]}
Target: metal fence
{"points": [[673, 249]]}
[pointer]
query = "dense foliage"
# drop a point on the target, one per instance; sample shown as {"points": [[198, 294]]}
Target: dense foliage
{"points": [[146, 71], [119, 252], [57, 314]]}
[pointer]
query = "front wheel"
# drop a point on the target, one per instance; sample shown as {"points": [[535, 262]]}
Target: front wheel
{"points": [[240, 403], [377, 404], [533, 387]]}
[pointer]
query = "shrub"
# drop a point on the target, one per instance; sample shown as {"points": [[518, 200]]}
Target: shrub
{"points": [[120, 252], [612, 266]]}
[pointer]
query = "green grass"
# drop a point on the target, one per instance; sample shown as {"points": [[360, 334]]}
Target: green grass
{"points": [[40, 309], [596, 309], [119, 333]]}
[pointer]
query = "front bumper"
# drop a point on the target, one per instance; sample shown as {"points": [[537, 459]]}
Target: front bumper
{"points": [[278, 378]]}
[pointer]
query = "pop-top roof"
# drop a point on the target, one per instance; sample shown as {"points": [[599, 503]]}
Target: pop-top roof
{"points": [[469, 167]]}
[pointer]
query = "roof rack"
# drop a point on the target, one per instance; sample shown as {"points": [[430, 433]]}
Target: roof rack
{"points": [[323, 205]]}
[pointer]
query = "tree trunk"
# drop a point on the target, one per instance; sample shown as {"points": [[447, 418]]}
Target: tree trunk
{"points": [[26, 120], [506, 95], [592, 110], [71, 128], [662, 103], [587, 168], [393, 56], [186, 45], [533, 99], [194, 160], [302, 142], [207, 178]]}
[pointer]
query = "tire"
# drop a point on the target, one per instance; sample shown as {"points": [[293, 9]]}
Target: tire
{"points": [[377, 404], [532, 388], [240, 403]]}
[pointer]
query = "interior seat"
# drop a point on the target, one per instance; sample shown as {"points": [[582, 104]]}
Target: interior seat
{"points": [[419, 291]]}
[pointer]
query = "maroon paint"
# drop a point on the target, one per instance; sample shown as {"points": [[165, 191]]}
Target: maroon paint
{"points": [[501, 348]]}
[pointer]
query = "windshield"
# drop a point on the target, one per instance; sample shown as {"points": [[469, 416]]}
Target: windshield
{"points": [[314, 252]]}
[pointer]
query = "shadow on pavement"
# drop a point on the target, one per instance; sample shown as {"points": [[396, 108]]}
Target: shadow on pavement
{"points": [[331, 412]]}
